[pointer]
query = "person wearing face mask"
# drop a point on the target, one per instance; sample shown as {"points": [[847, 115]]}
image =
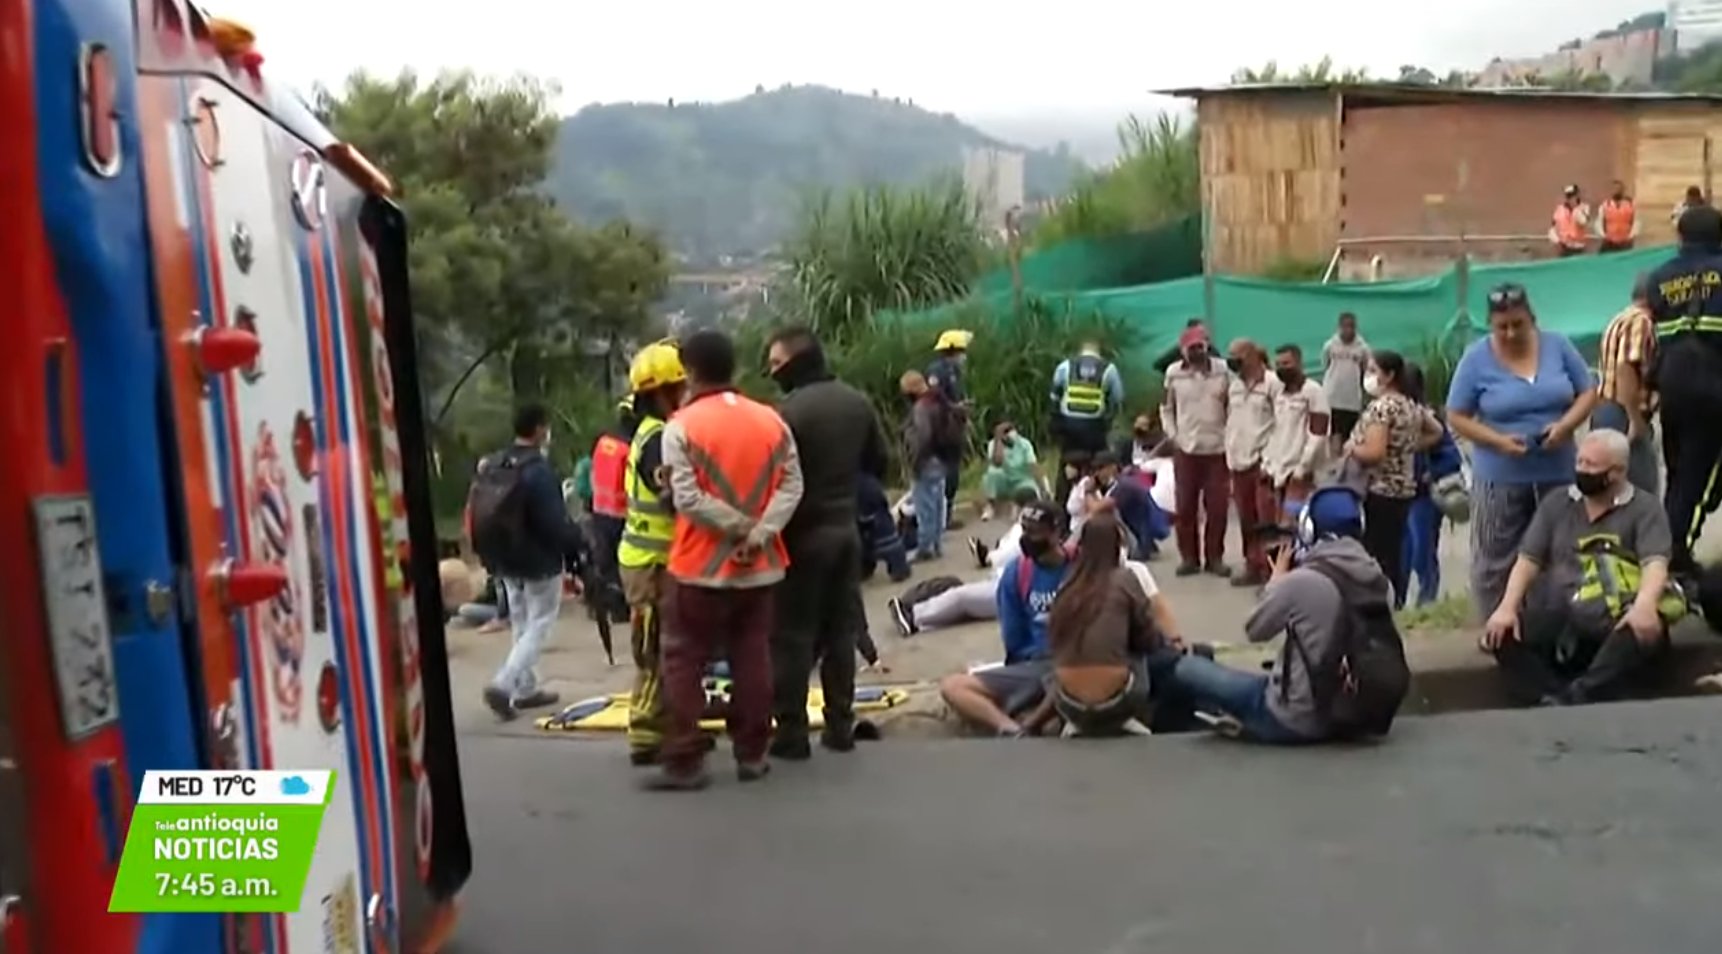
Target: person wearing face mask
{"points": [[838, 438], [1194, 417], [1012, 468], [1298, 441], [1588, 602], [521, 528], [1087, 391], [1383, 452], [1685, 301], [1249, 425], [996, 699], [1105, 489], [1517, 395]]}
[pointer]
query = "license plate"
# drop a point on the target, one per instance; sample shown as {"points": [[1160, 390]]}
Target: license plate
{"points": [[78, 633]]}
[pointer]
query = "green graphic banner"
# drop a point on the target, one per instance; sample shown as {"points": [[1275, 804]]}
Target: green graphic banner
{"points": [[221, 842]]}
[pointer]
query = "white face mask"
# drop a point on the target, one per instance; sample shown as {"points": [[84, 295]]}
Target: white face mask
{"points": [[1372, 385]]}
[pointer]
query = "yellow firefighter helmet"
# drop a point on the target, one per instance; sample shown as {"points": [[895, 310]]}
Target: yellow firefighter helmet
{"points": [[656, 365], [955, 339]]}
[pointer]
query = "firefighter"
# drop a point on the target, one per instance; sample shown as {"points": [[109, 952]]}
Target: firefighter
{"points": [[945, 374], [1686, 304], [658, 382], [1086, 392], [610, 503]]}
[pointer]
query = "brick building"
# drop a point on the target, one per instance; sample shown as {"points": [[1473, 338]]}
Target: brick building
{"points": [[1304, 172]]}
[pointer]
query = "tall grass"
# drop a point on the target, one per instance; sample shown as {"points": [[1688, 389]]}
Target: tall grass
{"points": [[883, 248], [1157, 179]]}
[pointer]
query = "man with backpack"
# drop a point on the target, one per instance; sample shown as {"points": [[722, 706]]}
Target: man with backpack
{"points": [[521, 529], [1341, 673], [931, 435]]}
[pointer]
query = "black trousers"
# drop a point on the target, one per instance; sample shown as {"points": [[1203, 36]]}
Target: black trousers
{"points": [[1692, 452], [1079, 439], [816, 605], [1384, 523], [1550, 661]]}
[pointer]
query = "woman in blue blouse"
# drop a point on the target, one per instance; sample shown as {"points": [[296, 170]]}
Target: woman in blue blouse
{"points": [[1517, 396]]}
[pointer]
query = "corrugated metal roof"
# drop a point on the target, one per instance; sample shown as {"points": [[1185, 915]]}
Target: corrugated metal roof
{"points": [[1411, 92]]}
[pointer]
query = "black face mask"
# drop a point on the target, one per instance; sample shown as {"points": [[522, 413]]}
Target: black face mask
{"points": [[1291, 376], [801, 369], [1591, 483], [1034, 549], [1234, 365]]}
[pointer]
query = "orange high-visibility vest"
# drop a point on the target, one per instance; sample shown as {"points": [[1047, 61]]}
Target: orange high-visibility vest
{"points": [[1617, 220], [609, 468], [1567, 227], [737, 448]]}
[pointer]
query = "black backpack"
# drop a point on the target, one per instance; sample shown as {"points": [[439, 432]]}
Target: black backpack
{"points": [[498, 502], [1362, 695]]}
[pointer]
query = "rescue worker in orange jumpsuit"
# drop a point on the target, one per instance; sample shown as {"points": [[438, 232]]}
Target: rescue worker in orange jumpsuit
{"points": [[1617, 221], [735, 479], [610, 505]]}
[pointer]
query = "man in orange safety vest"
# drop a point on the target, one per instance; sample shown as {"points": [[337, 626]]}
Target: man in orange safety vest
{"points": [[610, 504], [1617, 221], [1570, 231]]}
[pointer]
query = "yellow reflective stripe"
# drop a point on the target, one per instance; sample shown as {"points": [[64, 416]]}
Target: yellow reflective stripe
{"points": [[1674, 326], [651, 544]]}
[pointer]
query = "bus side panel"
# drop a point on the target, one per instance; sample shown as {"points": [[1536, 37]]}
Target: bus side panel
{"points": [[63, 900], [443, 859]]}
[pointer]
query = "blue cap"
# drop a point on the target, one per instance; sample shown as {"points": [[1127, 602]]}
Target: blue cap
{"points": [[1332, 512]]}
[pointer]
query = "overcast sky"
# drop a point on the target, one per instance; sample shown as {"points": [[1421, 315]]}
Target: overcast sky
{"points": [[965, 56]]}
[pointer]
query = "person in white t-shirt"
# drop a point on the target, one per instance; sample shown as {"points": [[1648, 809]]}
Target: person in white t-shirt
{"points": [[1343, 360]]}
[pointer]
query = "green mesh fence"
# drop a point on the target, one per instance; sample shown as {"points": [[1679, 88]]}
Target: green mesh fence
{"points": [[1169, 252], [1575, 296]]}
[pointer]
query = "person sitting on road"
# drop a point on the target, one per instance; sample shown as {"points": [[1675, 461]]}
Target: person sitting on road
{"points": [[1598, 617], [1144, 523], [944, 601], [1309, 604], [1012, 468], [1106, 621], [994, 698]]}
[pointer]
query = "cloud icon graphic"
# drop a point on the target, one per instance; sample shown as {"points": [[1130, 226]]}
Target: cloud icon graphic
{"points": [[294, 785]]}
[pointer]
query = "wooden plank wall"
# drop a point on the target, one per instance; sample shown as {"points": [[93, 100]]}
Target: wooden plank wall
{"points": [[1271, 178], [1670, 156]]}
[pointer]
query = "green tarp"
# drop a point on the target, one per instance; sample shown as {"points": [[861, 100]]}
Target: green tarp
{"points": [[1575, 296], [1169, 252]]}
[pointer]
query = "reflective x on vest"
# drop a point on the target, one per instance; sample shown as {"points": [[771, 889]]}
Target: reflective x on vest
{"points": [[609, 467], [650, 527], [1084, 395], [736, 448]]}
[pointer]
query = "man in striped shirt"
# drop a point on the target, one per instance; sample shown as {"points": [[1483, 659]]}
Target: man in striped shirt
{"points": [[1625, 400]]}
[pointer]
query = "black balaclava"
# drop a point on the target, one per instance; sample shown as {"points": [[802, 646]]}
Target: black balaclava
{"points": [[803, 368]]}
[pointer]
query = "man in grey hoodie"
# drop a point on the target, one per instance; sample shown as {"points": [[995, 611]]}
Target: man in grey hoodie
{"points": [[1281, 707]]}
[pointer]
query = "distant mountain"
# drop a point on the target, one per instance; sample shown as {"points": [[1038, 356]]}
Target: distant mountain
{"points": [[728, 178]]}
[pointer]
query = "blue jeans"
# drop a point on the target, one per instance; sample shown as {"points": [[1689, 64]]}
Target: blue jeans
{"points": [[1422, 552], [533, 605], [928, 499], [1241, 695], [1642, 467]]}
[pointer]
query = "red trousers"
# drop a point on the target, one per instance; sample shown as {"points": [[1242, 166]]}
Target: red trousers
{"points": [[1202, 496], [1253, 493], [697, 621]]}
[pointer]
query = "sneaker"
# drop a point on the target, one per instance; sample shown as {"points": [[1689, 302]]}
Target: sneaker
{"points": [[987, 513], [903, 617], [1187, 569], [1217, 569], [668, 781], [537, 699], [499, 703], [642, 758], [791, 750], [979, 549], [752, 771], [1014, 732]]}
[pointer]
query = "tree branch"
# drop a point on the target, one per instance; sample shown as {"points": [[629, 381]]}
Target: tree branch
{"points": [[460, 382]]}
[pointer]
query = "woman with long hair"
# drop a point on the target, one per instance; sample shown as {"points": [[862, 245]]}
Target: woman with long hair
{"points": [[1389, 433], [1107, 618]]}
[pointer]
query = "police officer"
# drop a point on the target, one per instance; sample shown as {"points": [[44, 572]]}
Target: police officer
{"points": [[658, 382], [1686, 303], [945, 374], [1086, 392]]}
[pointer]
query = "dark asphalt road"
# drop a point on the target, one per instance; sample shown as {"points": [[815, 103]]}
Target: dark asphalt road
{"points": [[1566, 832]]}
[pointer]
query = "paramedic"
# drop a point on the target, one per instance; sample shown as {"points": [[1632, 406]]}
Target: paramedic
{"points": [[1087, 391]]}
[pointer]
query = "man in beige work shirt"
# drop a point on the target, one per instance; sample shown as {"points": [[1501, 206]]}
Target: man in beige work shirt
{"points": [[1249, 423], [1194, 418], [1301, 425]]}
